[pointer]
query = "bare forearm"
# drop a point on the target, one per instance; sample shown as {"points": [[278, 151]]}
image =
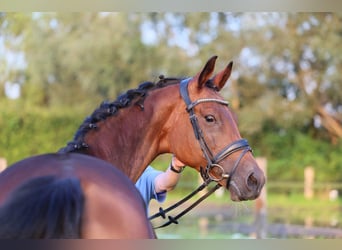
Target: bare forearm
{"points": [[168, 180]]}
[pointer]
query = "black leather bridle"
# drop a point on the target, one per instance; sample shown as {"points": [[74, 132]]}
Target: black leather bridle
{"points": [[212, 160]]}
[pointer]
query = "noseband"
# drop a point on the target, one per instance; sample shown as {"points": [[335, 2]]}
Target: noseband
{"points": [[212, 160]]}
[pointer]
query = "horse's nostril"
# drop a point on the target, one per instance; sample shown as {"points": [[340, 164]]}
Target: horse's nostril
{"points": [[252, 182]]}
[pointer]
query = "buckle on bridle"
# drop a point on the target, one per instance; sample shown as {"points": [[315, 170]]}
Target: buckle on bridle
{"points": [[220, 172]]}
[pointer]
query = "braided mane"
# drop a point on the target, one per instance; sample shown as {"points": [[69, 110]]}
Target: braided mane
{"points": [[107, 109]]}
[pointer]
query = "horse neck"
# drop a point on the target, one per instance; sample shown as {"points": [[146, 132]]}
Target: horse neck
{"points": [[135, 137]]}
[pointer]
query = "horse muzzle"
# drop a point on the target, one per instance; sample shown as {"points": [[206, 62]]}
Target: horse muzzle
{"points": [[248, 188]]}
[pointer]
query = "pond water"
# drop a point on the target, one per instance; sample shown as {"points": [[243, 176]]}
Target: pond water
{"points": [[237, 221], [208, 221]]}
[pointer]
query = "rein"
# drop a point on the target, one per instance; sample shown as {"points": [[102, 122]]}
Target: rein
{"points": [[212, 161], [174, 219]]}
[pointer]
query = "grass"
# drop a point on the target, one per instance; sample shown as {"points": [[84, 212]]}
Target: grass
{"points": [[295, 209]]}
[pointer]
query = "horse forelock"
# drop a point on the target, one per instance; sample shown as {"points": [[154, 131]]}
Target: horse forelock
{"points": [[107, 109]]}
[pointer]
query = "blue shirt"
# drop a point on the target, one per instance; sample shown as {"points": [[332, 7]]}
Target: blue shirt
{"points": [[145, 185]]}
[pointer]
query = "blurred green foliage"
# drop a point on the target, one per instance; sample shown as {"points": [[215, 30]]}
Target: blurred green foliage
{"points": [[26, 132], [286, 71]]}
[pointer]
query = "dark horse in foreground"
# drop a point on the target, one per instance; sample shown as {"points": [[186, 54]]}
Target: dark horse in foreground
{"points": [[73, 196], [186, 117]]}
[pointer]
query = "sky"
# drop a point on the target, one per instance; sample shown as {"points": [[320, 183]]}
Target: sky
{"points": [[12, 61]]}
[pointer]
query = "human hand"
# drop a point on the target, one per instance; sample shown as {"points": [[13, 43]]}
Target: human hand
{"points": [[177, 163]]}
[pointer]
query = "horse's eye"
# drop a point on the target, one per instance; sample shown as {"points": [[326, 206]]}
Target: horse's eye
{"points": [[210, 118]]}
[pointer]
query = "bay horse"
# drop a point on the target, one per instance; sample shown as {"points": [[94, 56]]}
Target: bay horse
{"points": [[183, 116], [70, 196]]}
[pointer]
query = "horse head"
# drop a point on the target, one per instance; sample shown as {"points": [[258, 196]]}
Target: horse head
{"points": [[215, 147]]}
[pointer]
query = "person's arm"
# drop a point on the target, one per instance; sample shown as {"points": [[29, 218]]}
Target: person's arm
{"points": [[167, 180]]}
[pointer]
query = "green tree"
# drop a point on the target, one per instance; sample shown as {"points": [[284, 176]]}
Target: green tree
{"points": [[89, 54], [300, 58], [285, 83]]}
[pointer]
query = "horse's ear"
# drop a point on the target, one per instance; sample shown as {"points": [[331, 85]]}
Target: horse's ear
{"points": [[221, 78], [206, 72]]}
